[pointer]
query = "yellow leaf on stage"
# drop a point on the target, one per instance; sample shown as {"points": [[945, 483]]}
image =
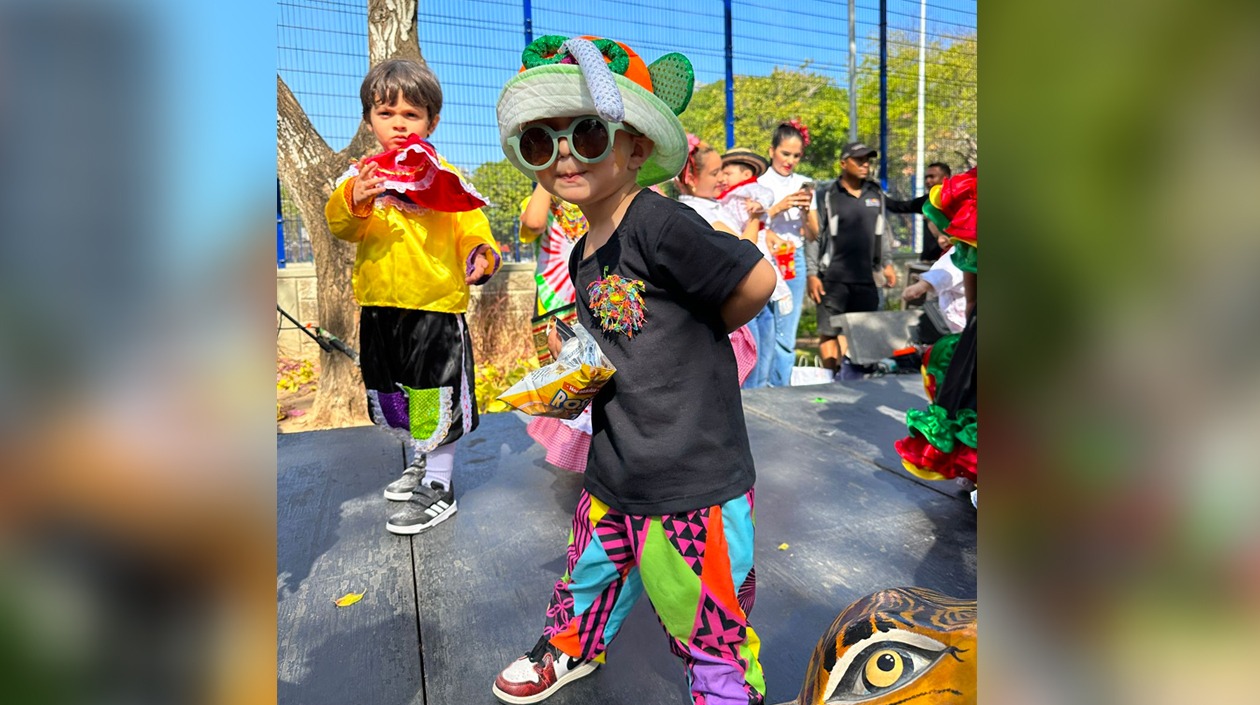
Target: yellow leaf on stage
{"points": [[348, 599], [783, 547]]}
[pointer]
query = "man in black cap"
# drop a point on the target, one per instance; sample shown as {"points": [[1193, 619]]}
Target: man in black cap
{"points": [[853, 246]]}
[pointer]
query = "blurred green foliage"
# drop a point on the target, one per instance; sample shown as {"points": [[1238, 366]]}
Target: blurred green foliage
{"points": [[1118, 287], [504, 187]]}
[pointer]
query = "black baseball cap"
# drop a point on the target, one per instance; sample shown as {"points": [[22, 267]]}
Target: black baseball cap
{"points": [[858, 149]]}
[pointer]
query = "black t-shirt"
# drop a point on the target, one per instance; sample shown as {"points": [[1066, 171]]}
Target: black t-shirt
{"points": [[669, 432], [853, 256]]}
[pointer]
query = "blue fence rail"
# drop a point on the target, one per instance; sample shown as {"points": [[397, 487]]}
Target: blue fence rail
{"points": [[474, 47]]}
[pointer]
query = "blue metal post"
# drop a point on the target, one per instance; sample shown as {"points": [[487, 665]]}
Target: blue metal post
{"points": [[528, 8], [730, 80], [279, 229], [883, 94]]}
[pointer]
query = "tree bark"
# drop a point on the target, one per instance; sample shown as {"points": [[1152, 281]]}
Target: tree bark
{"points": [[392, 31], [308, 168]]}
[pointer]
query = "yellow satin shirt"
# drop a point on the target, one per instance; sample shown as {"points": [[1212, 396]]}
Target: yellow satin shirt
{"points": [[409, 257]]}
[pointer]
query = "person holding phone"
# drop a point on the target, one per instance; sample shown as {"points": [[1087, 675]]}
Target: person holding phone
{"points": [[851, 249], [792, 219]]}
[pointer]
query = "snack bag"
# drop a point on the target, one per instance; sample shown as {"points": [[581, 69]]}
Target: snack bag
{"points": [[565, 387]]}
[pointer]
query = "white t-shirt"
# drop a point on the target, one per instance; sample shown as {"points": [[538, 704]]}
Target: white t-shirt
{"points": [[709, 209], [790, 224], [714, 212], [733, 202], [946, 280]]}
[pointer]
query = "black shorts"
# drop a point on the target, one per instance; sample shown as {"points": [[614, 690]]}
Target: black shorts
{"points": [[842, 298], [418, 371]]}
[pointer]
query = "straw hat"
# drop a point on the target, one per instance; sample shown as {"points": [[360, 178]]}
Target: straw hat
{"points": [[746, 157], [589, 75]]}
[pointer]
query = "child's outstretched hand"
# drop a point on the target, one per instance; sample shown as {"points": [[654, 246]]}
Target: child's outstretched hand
{"points": [[916, 291], [367, 185], [480, 265], [553, 338]]}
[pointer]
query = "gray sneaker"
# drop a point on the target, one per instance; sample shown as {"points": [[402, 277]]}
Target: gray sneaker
{"points": [[428, 507], [400, 490]]}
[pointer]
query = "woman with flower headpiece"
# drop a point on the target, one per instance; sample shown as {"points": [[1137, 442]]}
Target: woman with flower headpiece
{"points": [[792, 220]]}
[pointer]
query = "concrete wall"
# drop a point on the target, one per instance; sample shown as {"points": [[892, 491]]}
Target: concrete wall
{"points": [[295, 293]]}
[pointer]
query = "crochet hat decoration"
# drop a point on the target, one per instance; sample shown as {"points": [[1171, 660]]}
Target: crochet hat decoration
{"points": [[416, 173], [563, 77]]}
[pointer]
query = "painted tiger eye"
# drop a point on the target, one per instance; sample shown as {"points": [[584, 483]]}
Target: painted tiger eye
{"points": [[884, 668]]}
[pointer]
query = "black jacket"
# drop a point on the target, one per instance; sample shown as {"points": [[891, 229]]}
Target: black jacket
{"points": [[850, 246]]}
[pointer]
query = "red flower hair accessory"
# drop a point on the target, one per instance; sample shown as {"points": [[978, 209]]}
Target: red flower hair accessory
{"points": [[800, 127]]}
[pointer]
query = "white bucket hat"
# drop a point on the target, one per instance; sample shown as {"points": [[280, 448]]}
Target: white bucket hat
{"points": [[583, 76]]}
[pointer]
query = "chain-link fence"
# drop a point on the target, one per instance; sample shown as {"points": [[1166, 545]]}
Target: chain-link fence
{"points": [[787, 61]]}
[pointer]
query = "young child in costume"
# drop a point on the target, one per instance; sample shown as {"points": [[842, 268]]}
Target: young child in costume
{"points": [[792, 219], [421, 242], [556, 224], [667, 503], [747, 199], [699, 184], [943, 439]]}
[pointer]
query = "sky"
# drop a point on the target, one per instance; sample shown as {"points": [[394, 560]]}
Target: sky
{"points": [[474, 47]]}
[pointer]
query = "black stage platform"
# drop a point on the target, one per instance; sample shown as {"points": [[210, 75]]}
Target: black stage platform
{"points": [[446, 610]]}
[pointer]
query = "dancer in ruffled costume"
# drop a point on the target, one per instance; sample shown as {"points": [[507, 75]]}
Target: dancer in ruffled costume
{"points": [[943, 438]]}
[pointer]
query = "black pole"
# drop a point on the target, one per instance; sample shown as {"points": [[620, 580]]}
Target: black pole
{"points": [[323, 344]]}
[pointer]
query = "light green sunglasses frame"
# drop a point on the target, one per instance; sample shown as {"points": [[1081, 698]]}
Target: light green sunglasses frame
{"points": [[611, 127]]}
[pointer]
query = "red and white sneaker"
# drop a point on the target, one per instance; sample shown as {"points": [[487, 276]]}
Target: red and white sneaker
{"points": [[537, 675]]}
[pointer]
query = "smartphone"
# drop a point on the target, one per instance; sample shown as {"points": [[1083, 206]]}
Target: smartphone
{"points": [[807, 187]]}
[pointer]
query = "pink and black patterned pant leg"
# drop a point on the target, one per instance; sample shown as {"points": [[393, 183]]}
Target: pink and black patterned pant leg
{"points": [[690, 565]]}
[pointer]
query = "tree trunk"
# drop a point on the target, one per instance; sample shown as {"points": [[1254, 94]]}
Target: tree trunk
{"points": [[392, 31], [308, 168]]}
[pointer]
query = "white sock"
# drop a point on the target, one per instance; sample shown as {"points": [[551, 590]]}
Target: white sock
{"points": [[441, 463]]}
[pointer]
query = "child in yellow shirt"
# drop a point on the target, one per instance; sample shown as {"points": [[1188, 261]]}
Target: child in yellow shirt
{"points": [[411, 276]]}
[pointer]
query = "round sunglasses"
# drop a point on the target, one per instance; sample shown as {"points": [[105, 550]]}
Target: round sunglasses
{"points": [[590, 140]]}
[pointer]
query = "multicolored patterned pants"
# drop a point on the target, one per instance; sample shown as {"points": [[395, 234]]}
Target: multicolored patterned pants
{"points": [[690, 565]]}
